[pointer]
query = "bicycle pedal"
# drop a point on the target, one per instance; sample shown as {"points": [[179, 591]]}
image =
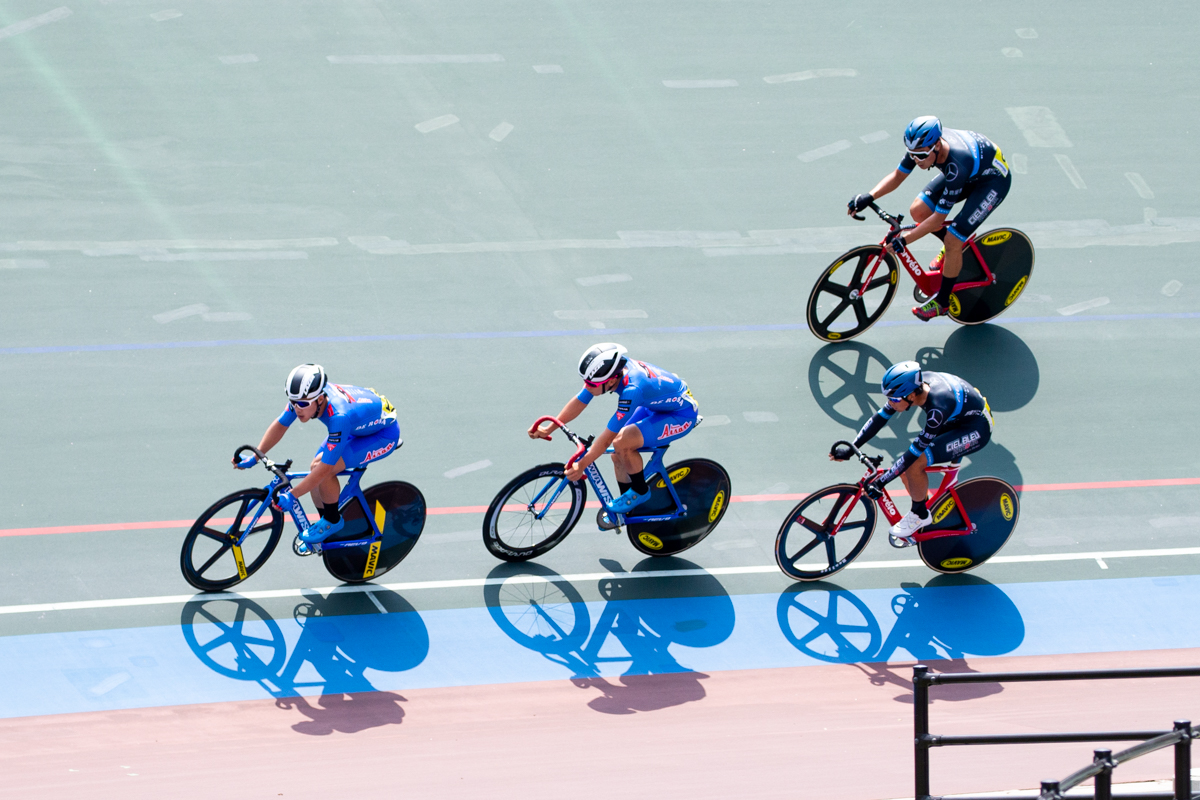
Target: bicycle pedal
{"points": [[302, 548], [605, 523], [900, 541]]}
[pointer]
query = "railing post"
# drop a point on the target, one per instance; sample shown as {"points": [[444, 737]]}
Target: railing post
{"points": [[921, 731], [1050, 791], [1104, 778], [1183, 761]]}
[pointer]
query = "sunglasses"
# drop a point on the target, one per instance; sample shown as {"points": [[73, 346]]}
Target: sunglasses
{"points": [[915, 156], [303, 403], [597, 384]]}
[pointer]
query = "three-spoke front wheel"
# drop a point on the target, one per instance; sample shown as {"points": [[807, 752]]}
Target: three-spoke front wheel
{"points": [[825, 532], [852, 293], [533, 513], [216, 555]]}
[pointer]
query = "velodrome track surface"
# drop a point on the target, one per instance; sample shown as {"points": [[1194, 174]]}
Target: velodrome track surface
{"points": [[449, 203]]}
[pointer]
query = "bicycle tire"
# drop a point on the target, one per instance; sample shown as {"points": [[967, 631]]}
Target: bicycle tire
{"points": [[830, 299], [704, 489], [548, 615], [220, 556], [511, 532], [797, 538], [994, 517], [402, 507], [1009, 254]]}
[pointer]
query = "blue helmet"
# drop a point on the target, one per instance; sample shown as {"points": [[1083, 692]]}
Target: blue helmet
{"points": [[922, 132], [901, 380]]}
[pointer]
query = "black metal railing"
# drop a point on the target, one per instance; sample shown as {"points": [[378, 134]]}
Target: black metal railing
{"points": [[1104, 761]]}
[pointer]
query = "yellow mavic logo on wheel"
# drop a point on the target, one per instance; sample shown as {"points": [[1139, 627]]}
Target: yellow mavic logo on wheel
{"points": [[372, 560], [1006, 506], [956, 563], [943, 510], [718, 504], [955, 306], [996, 238], [241, 562], [833, 335], [1016, 292], [675, 476], [651, 541]]}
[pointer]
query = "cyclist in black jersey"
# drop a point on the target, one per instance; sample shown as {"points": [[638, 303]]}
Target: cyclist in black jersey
{"points": [[958, 421], [973, 172]]}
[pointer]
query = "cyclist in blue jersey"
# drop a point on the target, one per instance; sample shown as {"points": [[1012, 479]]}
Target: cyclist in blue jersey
{"points": [[958, 421], [972, 171], [653, 407], [362, 428]]}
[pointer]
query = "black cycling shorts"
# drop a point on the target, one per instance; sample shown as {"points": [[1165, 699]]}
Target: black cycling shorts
{"points": [[978, 205], [969, 437]]}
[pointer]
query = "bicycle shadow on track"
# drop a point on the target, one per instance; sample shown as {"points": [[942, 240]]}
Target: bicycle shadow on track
{"points": [[844, 381], [940, 623], [626, 654], [324, 649]]}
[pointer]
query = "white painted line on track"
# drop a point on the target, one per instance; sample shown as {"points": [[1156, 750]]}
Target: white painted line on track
{"points": [[435, 123], [1072, 173], [1019, 163], [1011, 52], [1040, 127], [1172, 288], [1100, 561], [479, 58], [589, 314], [1067, 311], [715, 420], [1139, 185], [1027, 33], [107, 685], [822, 152], [547, 69], [500, 131], [720, 83], [871, 138], [35, 22], [597, 324], [246, 58], [469, 583], [180, 313], [138, 247], [475, 467], [163, 16], [596, 280], [226, 316], [22, 263], [236, 255], [809, 74], [759, 416]]}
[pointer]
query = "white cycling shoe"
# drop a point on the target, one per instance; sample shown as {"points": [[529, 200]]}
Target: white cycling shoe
{"points": [[902, 532]]}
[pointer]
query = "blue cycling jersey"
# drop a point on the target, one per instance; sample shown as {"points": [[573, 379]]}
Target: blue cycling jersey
{"points": [[973, 158], [351, 412], [646, 386]]}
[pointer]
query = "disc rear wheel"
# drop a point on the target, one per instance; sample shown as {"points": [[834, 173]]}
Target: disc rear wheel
{"points": [[993, 507], [1009, 255]]}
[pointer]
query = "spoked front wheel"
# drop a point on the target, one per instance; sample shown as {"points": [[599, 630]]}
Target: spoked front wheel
{"points": [[994, 508], [825, 532], [212, 559], [533, 513], [852, 293]]}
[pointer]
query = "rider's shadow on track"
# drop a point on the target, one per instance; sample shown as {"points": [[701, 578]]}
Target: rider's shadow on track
{"points": [[844, 380], [638, 623], [336, 639], [941, 623]]}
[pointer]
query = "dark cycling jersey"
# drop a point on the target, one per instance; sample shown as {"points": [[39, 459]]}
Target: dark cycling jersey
{"points": [[952, 404], [646, 386], [972, 159], [351, 412]]}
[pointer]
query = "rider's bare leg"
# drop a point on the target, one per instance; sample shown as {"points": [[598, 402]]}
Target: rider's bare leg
{"points": [[627, 461], [916, 480], [328, 490]]}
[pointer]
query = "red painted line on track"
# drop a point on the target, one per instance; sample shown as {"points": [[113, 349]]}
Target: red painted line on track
{"points": [[745, 498]]}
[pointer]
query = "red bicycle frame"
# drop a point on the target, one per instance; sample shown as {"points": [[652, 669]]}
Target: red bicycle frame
{"points": [[939, 505]]}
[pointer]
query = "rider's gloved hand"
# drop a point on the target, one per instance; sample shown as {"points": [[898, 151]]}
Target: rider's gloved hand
{"points": [[873, 488], [859, 202], [284, 501], [894, 241], [246, 463], [841, 452]]}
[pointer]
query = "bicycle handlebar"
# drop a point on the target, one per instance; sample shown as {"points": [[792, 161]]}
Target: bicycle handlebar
{"points": [[581, 445], [870, 462], [275, 469], [893, 221]]}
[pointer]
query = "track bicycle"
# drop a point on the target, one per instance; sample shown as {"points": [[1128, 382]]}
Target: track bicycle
{"points": [[845, 304], [830, 528], [538, 508], [236, 535]]}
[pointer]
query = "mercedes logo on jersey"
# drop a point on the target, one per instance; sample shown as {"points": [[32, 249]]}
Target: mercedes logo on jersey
{"points": [[935, 417]]}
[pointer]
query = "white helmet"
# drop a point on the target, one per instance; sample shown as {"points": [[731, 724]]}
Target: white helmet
{"points": [[601, 362], [306, 382]]}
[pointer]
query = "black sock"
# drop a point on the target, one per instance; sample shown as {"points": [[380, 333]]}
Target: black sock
{"points": [[637, 481], [919, 509], [623, 487], [943, 295], [331, 514]]}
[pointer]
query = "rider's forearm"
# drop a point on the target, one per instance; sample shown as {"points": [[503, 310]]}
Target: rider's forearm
{"points": [[888, 184], [598, 447], [873, 426], [571, 410], [271, 437]]}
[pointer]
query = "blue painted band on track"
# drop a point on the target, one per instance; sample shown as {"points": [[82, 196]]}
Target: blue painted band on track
{"points": [[589, 332]]}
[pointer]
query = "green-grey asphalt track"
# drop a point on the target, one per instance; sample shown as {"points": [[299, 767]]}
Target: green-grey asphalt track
{"points": [[218, 163]]}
